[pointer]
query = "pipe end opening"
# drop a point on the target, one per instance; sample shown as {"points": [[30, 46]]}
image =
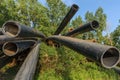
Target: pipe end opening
{"points": [[95, 24], [10, 49], [11, 29], [75, 6], [110, 58]]}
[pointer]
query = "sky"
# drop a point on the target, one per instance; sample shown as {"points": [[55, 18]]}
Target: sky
{"points": [[110, 8]]}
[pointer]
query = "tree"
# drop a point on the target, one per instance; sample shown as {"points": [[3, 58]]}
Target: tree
{"points": [[56, 12], [77, 22], [115, 35], [4, 12], [100, 16]]}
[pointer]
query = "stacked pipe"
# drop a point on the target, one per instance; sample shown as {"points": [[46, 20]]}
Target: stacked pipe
{"points": [[16, 38]]}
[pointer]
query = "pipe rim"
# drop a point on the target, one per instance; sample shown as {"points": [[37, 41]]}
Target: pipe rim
{"points": [[114, 61], [11, 24], [75, 7], [94, 24], [11, 52]]}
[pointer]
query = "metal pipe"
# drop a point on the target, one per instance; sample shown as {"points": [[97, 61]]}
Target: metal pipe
{"points": [[84, 28], [4, 38], [107, 56], [15, 29], [67, 18], [13, 48], [27, 70]]}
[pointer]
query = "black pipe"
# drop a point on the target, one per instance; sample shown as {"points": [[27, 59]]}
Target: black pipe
{"points": [[67, 18], [4, 38], [107, 56], [15, 29], [13, 48], [84, 28], [27, 70]]}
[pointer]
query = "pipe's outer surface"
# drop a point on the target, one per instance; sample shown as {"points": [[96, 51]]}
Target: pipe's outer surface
{"points": [[27, 69], [74, 8], [15, 29], [84, 28], [1, 33], [107, 56], [4, 39], [13, 48]]}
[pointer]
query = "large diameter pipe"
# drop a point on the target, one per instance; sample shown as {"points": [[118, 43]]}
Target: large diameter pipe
{"points": [[4, 38], [27, 70], [15, 29], [67, 18], [107, 56], [13, 48], [84, 28]]}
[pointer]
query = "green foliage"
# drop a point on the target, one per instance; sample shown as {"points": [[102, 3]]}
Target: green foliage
{"points": [[56, 12], [115, 35], [100, 16], [77, 22], [72, 66]]}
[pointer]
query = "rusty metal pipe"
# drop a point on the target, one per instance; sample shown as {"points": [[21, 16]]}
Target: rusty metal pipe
{"points": [[107, 56], [84, 28], [13, 48], [67, 18], [15, 29]]}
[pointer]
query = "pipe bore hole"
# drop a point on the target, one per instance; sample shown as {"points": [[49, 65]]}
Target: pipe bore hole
{"points": [[11, 29], [10, 49], [110, 57], [75, 6], [95, 24]]}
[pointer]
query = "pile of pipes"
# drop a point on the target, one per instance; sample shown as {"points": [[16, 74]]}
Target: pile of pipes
{"points": [[16, 38]]}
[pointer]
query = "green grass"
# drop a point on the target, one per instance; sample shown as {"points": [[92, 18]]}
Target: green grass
{"points": [[65, 64]]}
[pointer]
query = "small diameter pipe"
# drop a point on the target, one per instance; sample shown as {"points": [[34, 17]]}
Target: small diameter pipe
{"points": [[84, 28], [74, 8]]}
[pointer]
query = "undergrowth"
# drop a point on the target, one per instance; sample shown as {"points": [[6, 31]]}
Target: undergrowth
{"points": [[65, 64]]}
